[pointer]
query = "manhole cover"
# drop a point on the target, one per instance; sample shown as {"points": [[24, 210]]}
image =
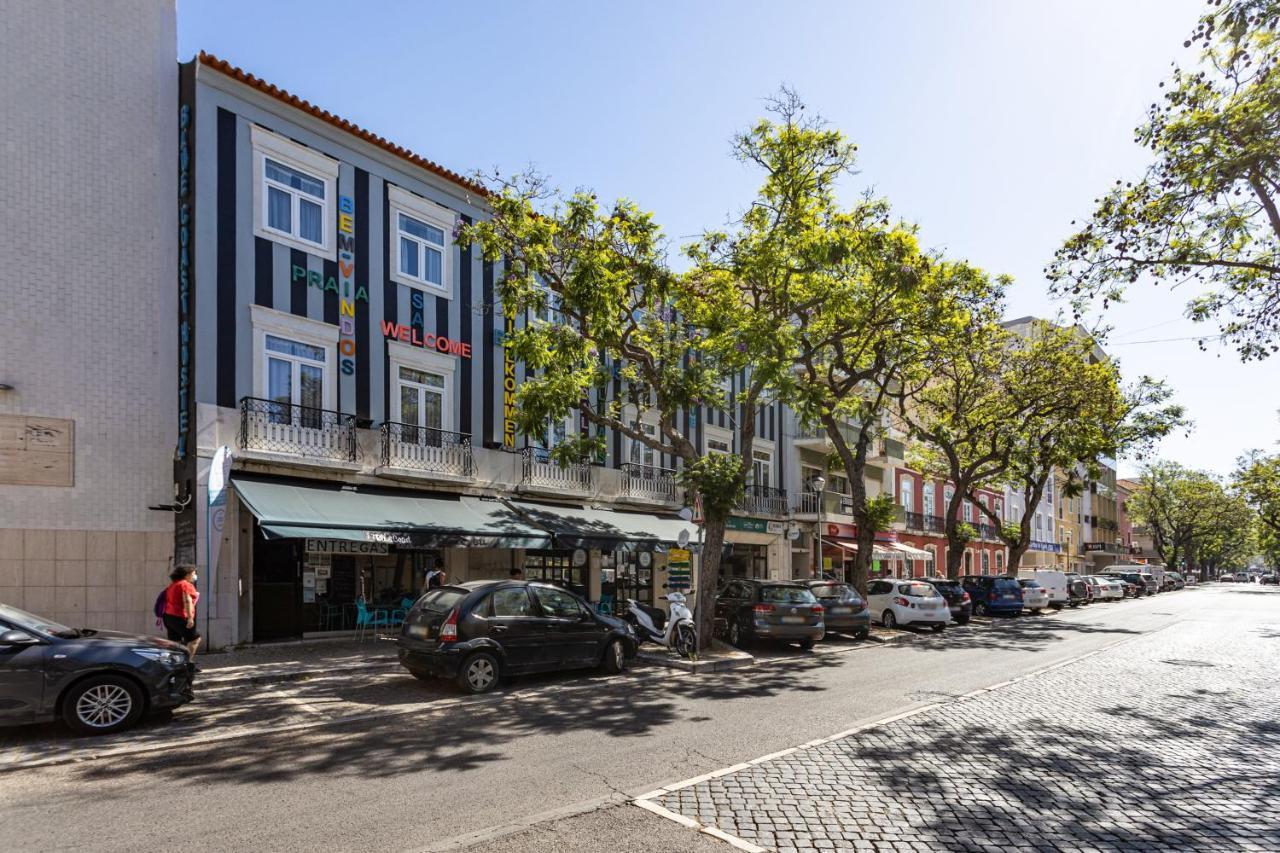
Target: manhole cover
{"points": [[1188, 662]]}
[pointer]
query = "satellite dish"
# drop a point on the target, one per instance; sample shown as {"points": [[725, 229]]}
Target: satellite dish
{"points": [[683, 538]]}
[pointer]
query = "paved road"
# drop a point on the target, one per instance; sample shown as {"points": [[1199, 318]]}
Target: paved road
{"points": [[427, 770]]}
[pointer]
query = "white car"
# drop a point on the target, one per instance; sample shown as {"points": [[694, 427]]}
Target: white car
{"points": [[1108, 589], [1034, 597], [1052, 582], [898, 602]]}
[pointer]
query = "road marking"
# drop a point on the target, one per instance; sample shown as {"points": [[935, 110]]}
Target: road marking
{"points": [[493, 833], [646, 801]]}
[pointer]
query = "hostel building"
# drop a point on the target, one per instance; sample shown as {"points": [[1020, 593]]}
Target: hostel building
{"points": [[349, 354]]}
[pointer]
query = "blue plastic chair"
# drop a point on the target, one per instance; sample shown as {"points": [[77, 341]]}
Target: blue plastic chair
{"points": [[366, 619], [401, 613]]}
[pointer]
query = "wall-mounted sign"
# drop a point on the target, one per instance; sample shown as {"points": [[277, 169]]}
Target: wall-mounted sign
{"points": [[645, 559], [749, 525], [348, 293], [678, 576], [776, 527], [427, 340], [508, 383], [344, 546], [579, 557]]}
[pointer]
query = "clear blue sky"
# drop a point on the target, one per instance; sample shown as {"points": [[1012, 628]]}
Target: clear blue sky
{"points": [[991, 123]]}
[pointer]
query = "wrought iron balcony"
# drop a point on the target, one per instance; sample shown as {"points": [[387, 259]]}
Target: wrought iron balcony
{"points": [[287, 428], [833, 503], [650, 482], [935, 524], [914, 520], [540, 471], [987, 531], [426, 449], [763, 500]]}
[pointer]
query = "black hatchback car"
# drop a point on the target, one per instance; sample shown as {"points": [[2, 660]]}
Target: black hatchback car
{"points": [[480, 631], [98, 682], [960, 602], [845, 612]]}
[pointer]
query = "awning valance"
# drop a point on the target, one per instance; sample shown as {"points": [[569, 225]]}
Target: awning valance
{"points": [[880, 551], [335, 511], [604, 529]]}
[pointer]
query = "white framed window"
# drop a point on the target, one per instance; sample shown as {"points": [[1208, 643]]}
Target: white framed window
{"points": [[968, 510], [421, 234], [548, 309], [717, 440], [641, 453], [838, 484], [762, 467], [294, 359], [294, 192], [422, 387], [928, 496], [906, 494], [947, 494]]}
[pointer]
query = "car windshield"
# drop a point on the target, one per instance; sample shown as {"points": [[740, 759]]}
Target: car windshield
{"points": [[942, 585], [1030, 584], [443, 599], [786, 595], [31, 622], [1005, 585], [834, 590], [917, 590]]}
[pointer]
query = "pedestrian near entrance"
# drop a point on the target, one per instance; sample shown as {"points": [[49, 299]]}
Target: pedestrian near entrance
{"points": [[180, 608], [517, 574], [436, 577]]}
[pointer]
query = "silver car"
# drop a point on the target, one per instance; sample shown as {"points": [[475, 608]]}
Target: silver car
{"points": [[1034, 597]]}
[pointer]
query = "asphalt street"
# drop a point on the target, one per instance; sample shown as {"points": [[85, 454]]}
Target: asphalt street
{"points": [[548, 763]]}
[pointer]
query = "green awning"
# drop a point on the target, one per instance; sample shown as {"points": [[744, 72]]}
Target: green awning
{"points": [[288, 509], [604, 529]]}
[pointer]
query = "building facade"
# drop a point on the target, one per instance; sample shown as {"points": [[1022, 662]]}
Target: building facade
{"points": [[922, 501], [1045, 547], [87, 394]]}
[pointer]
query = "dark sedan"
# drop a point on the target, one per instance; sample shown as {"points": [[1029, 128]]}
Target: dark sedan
{"points": [[478, 632], [98, 682], [844, 611], [993, 594], [960, 602], [769, 610]]}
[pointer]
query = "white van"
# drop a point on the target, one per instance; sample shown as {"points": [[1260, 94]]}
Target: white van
{"points": [[1054, 582]]}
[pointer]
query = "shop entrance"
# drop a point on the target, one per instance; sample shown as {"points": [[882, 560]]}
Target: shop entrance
{"points": [[277, 588], [745, 561]]}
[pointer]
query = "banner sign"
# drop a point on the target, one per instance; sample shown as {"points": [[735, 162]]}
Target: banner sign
{"points": [[678, 576], [344, 546], [215, 516]]}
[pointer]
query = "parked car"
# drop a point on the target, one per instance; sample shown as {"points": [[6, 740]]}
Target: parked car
{"points": [[1141, 584], [478, 632], [770, 610], [1272, 579], [1105, 588], [1053, 582], [958, 600], [900, 602], [993, 594], [98, 682], [1077, 590], [1227, 577], [1034, 597], [1094, 588], [1175, 580], [844, 611], [1130, 588]]}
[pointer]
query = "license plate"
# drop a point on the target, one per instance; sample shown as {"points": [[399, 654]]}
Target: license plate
{"points": [[1007, 597], [842, 610], [792, 620], [423, 631]]}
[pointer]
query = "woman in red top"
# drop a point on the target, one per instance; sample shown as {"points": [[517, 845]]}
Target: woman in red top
{"points": [[180, 608]]}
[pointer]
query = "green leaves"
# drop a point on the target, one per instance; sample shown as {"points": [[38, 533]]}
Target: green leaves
{"points": [[1207, 208]]}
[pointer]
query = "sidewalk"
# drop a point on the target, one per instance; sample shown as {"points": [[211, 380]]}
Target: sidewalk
{"points": [[293, 661]]}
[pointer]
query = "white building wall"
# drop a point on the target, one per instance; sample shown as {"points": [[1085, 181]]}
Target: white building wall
{"points": [[88, 112]]}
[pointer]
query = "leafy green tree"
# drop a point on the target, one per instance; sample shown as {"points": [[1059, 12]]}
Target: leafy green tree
{"points": [[623, 314], [1257, 479], [1191, 516], [1076, 411], [1207, 207]]}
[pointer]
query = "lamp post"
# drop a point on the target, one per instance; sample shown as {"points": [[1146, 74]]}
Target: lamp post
{"points": [[818, 484]]}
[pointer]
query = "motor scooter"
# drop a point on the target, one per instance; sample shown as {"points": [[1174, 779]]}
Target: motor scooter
{"points": [[678, 632]]}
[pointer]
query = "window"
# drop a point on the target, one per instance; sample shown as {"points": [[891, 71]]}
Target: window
{"points": [[928, 496], [557, 603], [511, 602], [718, 440], [906, 494], [761, 468], [422, 397], [295, 377], [421, 242], [717, 445], [641, 453], [295, 193], [947, 494], [968, 510], [547, 309], [838, 484], [807, 475], [986, 562]]}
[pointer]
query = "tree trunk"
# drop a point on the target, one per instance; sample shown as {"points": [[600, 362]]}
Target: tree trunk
{"points": [[855, 466], [709, 576], [1015, 557], [955, 551]]}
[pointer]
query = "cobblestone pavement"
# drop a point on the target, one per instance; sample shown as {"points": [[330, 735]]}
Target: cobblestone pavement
{"points": [[1167, 742]]}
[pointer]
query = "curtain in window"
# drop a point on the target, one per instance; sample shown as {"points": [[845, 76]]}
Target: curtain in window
{"points": [[310, 221], [279, 213]]}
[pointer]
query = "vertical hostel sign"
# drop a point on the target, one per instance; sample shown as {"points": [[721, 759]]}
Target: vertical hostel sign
{"points": [[184, 452], [508, 381], [346, 286]]}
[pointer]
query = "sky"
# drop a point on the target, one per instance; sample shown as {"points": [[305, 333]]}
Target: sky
{"points": [[992, 124]]}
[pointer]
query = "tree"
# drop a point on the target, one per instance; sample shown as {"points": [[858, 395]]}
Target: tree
{"points": [[1257, 479], [1207, 207], [622, 315], [1190, 515], [1081, 412], [849, 291]]}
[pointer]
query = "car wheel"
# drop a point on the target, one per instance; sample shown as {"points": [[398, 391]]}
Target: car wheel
{"points": [[1036, 611], [861, 634], [735, 633], [980, 609], [806, 645], [102, 704], [888, 620], [962, 620], [938, 628], [614, 657], [479, 673]]}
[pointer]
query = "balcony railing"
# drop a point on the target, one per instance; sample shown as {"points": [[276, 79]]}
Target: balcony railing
{"points": [[833, 503], [650, 482], [913, 520], [277, 427], [541, 471], [935, 524], [987, 531], [434, 451], [1104, 548], [763, 500]]}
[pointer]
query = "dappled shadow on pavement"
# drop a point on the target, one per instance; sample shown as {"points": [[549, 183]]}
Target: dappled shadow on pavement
{"points": [[461, 735]]}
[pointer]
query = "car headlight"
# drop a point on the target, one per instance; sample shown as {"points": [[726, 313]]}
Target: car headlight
{"points": [[162, 655]]}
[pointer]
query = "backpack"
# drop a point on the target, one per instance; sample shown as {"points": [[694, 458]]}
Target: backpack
{"points": [[158, 608]]}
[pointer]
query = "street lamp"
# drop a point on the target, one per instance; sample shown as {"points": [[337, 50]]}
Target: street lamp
{"points": [[818, 484]]}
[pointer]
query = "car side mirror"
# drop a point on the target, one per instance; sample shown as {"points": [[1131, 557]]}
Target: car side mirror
{"points": [[17, 638]]}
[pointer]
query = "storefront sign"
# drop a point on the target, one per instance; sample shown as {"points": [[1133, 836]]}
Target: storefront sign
{"points": [[678, 576], [344, 546], [749, 525], [777, 527], [348, 293], [184, 456], [508, 383], [840, 530], [428, 340]]}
